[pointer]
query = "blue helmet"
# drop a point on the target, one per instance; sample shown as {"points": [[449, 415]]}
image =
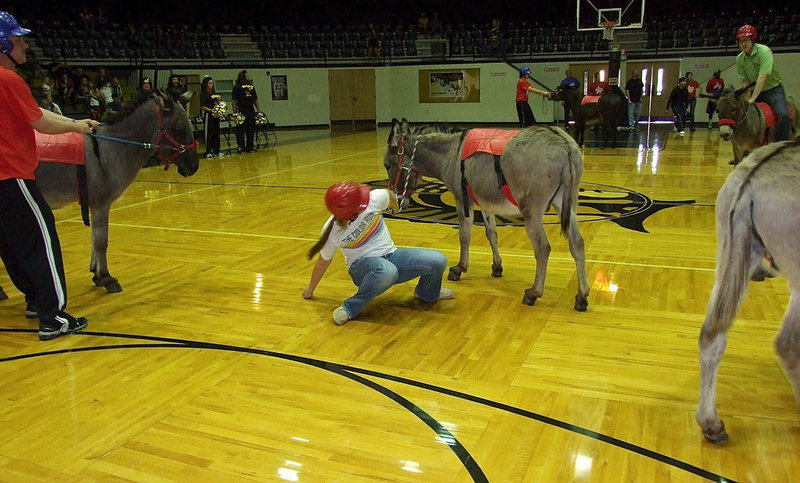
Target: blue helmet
{"points": [[524, 71], [9, 27]]}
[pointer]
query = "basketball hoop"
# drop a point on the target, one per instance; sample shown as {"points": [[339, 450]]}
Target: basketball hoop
{"points": [[608, 29]]}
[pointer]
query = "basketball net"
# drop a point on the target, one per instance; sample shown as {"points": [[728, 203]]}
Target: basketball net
{"points": [[608, 29]]}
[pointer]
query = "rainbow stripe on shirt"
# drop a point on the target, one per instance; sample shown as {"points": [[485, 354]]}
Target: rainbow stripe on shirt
{"points": [[363, 234]]}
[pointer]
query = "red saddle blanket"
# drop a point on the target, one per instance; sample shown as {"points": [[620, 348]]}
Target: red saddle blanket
{"points": [[67, 148], [590, 99], [769, 114], [491, 141]]}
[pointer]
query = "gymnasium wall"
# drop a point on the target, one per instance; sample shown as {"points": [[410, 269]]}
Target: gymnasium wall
{"points": [[397, 90]]}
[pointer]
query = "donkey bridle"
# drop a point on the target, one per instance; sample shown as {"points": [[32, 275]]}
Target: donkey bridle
{"points": [[176, 147], [402, 167]]}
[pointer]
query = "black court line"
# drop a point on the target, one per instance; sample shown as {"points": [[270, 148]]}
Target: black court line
{"points": [[350, 372]]}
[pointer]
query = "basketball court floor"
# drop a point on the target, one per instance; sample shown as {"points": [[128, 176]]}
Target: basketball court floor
{"points": [[210, 366]]}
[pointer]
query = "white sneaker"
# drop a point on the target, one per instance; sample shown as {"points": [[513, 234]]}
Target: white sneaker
{"points": [[209, 155], [444, 294], [681, 132], [340, 316], [221, 155]]}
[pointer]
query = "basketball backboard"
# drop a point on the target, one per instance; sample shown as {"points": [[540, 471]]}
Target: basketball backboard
{"points": [[628, 14]]}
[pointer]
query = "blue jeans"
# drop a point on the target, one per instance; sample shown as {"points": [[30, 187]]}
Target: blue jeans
{"points": [[634, 113], [776, 97], [375, 275]]}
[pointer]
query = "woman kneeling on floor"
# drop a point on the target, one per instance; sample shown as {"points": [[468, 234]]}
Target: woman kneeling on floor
{"points": [[373, 261]]}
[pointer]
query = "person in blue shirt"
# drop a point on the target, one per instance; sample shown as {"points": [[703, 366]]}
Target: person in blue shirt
{"points": [[573, 83]]}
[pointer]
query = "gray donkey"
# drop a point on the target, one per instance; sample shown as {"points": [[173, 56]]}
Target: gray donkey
{"points": [[151, 123], [758, 212], [539, 167]]}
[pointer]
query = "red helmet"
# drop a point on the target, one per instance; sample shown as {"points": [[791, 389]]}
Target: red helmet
{"points": [[747, 30], [346, 200]]}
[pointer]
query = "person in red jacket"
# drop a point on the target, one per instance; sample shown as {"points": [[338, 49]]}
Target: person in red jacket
{"points": [[29, 243], [714, 86], [598, 87]]}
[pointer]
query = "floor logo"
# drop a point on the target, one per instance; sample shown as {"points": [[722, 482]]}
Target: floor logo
{"points": [[432, 203]]}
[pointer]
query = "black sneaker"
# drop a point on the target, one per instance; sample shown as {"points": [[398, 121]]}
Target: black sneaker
{"points": [[31, 312], [62, 324]]}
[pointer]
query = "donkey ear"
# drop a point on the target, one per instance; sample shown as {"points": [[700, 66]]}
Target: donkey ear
{"points": [[404, 127], [394, 133], [186, 96]]}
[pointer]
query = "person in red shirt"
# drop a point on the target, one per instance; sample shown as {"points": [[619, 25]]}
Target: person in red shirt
{"points": [[714, 86], [693, 87], [524, 112], [29, 243], [598, 87]]}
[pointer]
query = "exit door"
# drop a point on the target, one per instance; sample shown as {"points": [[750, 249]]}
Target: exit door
{"points": [[352, 94], [659, 78]]}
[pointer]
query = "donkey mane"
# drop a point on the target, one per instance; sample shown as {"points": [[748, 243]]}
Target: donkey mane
{"points": [[139, 98]]}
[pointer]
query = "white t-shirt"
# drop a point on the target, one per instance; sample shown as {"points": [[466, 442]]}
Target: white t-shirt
{"points": [[366, 236]]}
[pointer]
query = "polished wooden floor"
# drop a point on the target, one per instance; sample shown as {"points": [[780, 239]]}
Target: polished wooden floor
{"points": [[209, 366]]}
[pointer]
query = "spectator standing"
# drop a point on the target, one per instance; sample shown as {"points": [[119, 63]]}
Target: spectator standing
{"points": [[175, 89], [634, 89], [677, 102], [208, 99], [29, 243], [692, 86], [598, 87], [715, 86], [245, 101], [116, 94], [574, 84]]}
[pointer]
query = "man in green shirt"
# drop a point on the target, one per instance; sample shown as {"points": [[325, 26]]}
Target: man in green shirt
{"points": [[755, 64]]}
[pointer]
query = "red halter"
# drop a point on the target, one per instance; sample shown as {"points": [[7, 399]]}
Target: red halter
{"points": [[177, 148]]}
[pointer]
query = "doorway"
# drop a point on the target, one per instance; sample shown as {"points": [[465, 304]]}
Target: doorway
{"points": [[352, 97]]}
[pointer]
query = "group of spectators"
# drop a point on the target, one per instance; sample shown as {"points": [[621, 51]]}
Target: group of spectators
{"points": [[95, 94]]}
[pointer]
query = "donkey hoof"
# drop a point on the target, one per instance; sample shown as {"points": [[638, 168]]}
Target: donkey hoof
{"points": [[96, 281], [528, 298], [581, 303], [454, 274], [113, 287], [716, 433], [497, 270], [3, 295]]}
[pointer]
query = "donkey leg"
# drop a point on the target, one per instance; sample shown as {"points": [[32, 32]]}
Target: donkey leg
{"points": [[713, 339], [464, 238], [577, 249], [99, 265], [491, 234], [541, 248], [788, 343]]}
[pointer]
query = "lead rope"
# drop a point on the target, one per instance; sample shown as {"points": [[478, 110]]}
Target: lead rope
{"points": [[410, 164]]}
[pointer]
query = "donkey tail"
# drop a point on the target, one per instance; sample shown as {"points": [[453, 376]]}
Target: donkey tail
{"points": [[570, 181], [734, 251]]}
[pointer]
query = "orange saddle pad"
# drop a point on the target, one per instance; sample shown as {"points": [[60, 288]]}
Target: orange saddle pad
{"points": [[491, 141], [67, 148]]}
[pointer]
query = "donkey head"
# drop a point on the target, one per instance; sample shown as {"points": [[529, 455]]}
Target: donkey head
{"points": [[176, 141], [399, 162], [732, 109], [560, 94]]}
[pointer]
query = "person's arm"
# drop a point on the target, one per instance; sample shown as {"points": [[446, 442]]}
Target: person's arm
{"points": [[762, 79], [52, 123], [316, 275], [530, 88], [393, 204]]}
